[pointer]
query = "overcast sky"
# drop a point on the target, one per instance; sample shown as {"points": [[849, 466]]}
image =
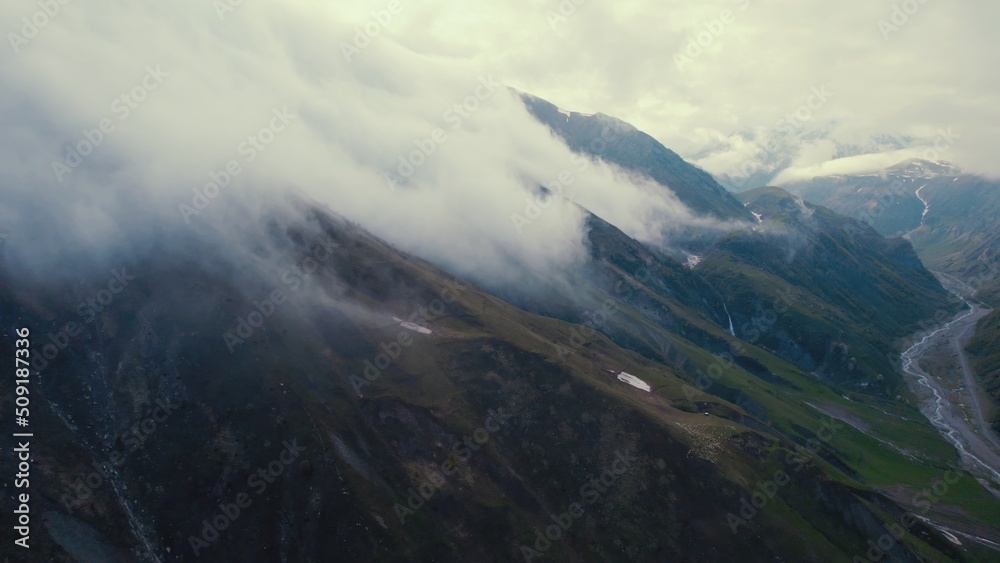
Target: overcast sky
{"points": [[342, 95], [119, 121], [937, 70]]}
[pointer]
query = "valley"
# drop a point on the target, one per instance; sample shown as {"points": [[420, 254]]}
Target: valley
{"points": [[442, 319], [950, 396]]}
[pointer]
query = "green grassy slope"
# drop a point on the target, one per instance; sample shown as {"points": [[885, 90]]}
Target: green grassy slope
{"points": [[828, 292], [297, 378]]}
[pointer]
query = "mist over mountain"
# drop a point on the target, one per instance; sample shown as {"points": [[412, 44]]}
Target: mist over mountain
{"points": [[314, 126], [617, 142], [292, 287], [790, 156]]}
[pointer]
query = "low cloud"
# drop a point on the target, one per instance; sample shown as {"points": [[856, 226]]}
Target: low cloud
{"points": [[126, 122], [802, 169]]}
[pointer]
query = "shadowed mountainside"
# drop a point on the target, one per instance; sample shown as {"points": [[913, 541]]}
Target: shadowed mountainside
{"points": [[365, 425]]}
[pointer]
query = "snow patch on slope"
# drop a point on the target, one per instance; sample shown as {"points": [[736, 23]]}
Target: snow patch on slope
{"points": [[412, 326], [634, 381], [693, 260]]}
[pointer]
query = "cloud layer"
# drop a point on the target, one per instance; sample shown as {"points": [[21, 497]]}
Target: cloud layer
{"points": [[122, 120], [697, 77]]}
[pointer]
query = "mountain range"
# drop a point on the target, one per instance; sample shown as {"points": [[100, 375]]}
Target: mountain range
{"points": [[729, 390], [949, 216], [953, 221]]}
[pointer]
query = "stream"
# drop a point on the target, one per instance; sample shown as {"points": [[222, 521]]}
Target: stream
{"points": [[959, 432]]}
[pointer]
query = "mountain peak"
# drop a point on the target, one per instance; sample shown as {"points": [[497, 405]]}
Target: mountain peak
{"points": [[918, 167], [622, 144]]}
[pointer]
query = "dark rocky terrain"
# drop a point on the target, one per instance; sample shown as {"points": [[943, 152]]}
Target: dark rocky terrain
{"points": [[269, 403]]}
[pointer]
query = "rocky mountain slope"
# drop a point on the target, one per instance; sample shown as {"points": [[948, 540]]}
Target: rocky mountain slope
{"points": [[619, 143], [951, 217], [343, 430], [311, 390]]}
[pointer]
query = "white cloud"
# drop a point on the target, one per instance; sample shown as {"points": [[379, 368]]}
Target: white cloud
{"points": [[224, 85], [859, 164], [617, 58]]}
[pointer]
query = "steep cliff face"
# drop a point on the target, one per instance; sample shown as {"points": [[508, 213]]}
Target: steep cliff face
{"points": [[617, 142]]}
